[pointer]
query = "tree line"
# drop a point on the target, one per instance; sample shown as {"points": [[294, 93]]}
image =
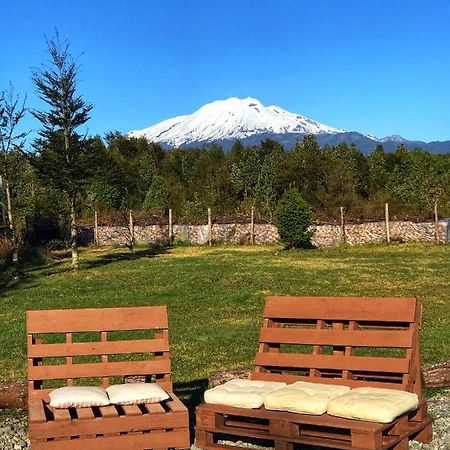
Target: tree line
{"points": [[63, 175]]}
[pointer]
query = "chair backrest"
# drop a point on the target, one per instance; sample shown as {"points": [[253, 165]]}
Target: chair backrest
{"points": [[355, 341], [96, 344]]}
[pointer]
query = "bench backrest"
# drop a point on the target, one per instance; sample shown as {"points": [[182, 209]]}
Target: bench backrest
{"points": [[341, 340], [95, 344]]}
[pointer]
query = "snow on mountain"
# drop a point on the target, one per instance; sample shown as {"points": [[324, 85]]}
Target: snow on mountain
{"points": [[230, 119]]}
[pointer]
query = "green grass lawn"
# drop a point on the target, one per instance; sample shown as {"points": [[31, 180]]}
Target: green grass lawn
{"points": [[215, 295]]}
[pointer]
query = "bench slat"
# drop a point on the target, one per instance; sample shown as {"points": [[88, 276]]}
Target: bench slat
{"points": [[387, 339], [341, 308], [362, 363], [98, 348], [97, 319], [55, 372], [289, 378]]}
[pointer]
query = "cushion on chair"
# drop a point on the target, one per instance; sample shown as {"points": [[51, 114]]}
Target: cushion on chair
{"points": [[241, 393], [136, 393], [78, 397], [303, 397], [373, 404]]}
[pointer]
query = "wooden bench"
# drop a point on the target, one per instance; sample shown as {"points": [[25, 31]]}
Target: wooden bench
{"points": [[93, 346], [347, 341]]}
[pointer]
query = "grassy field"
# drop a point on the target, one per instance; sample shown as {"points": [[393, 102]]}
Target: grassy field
{"points": [[215, 295]]}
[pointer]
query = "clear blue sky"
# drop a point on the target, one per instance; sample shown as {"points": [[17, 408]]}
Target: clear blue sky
{"points": [[375, 66]]}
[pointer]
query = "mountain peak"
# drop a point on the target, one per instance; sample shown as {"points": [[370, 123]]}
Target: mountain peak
{"points": [[230, 119]]}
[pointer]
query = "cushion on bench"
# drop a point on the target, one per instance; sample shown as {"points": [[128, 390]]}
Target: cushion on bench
{"points": [[303, 397], [241, 393], [136, 393], [78, 396], [373, 404]]}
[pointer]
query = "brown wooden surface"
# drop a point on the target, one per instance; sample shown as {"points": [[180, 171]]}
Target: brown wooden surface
{"points": [[319, 339], [341, 308], [155, 426], [97, 319]]}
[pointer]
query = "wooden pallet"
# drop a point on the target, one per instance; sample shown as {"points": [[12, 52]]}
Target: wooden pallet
{"points": [[320, 339], [157, 426]]}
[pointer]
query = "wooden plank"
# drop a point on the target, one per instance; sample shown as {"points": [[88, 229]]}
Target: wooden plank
{"points": [[175, 404], [341, 308], [36, 412], [98, 348], [61, 415], [55, 372], [362, 363], [155, 408], [132, 410], [357, 338], [262, 413], [85, 413], [178, 438], [97, 319], [288, 378], [108, 411]]}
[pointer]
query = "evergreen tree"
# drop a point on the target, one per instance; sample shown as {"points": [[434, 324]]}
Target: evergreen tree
{"points": [[294, 217], [157, 196], [62, 156]]}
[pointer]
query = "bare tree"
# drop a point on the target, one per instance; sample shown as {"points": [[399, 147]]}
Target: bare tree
{"points": [[12, 110]]}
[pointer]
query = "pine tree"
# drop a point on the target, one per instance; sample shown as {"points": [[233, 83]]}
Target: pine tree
{"points": [[63, 157]]}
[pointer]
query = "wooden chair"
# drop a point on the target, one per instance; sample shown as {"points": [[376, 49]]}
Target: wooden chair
{"points": [[105, 359], [348, 341]]}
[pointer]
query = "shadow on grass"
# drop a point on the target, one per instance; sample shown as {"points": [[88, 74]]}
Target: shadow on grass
{"points": [[191, 394], [125, 255], [38, 263]]}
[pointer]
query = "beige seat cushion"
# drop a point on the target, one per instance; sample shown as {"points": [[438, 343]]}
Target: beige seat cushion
{"points": [[373, 404], [241, 393], [136, 393], [303, 397], [78, 397]]}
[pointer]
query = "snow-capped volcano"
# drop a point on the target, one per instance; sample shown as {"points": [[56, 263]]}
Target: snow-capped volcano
{"points": [[230, 119], [225, 121]]}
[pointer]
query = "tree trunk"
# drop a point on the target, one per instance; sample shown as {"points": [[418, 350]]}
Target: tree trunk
{"points": [[11, 225], [437, 375], [73, 231], [13, 395]]}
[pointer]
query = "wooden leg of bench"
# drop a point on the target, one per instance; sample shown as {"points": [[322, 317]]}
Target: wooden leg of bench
{"points": [[203, 439], [280, 445], [425, 435], [402, 445]]}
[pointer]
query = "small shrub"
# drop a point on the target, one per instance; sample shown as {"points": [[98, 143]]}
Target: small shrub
{"points": [[294, 217]]}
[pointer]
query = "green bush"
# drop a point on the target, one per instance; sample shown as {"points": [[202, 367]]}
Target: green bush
{"points": [[294, 216]]}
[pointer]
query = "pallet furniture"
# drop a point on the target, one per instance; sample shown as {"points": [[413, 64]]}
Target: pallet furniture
{"points": [[94, 347], [349, 341]]}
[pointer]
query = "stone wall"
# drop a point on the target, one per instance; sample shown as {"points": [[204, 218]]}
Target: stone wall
{"points": [[235, 233]]}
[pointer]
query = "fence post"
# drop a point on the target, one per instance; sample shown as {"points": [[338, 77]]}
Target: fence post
{"points": [[209, 227], [344, 238], [95, 228], [386, 215], [170, 226], [131, 227], [252, 227], [436, 223]]}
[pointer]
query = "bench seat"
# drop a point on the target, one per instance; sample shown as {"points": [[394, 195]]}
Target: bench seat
{"points": [[353, 342], [114, 427]]}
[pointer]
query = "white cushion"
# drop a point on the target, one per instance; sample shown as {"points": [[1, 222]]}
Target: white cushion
{"points": [[373, 404], [136, 393], [303, 397], [241, 393], [78, 397]]}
